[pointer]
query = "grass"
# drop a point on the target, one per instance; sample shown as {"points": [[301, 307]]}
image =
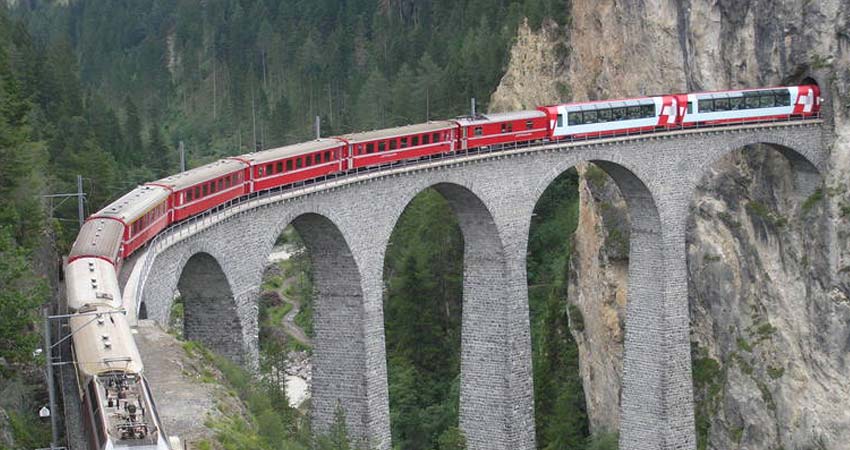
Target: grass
{"points": [[761, 210], [813, 199], [775, 372], [744, 345]]}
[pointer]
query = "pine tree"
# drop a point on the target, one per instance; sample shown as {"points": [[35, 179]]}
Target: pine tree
{"points": [[133, 154]]}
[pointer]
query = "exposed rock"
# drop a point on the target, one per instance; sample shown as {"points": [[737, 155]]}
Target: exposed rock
{"points": [[537, 74], [598, 266], [770, 271], [6, 438]]}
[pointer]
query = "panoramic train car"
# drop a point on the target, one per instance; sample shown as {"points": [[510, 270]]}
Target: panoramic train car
{"points": [[119, 229], [713, 108], [197, 190], [374, 148], [611, 117], [293, 163], [502, 128]]}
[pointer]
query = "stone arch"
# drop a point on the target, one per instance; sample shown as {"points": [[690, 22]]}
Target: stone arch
{"points": [[643, 388], [484, 411], [210, 311], [339, 357], [806, 163]]}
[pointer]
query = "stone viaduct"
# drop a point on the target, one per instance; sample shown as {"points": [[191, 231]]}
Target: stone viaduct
{"points": [[217, 263]]}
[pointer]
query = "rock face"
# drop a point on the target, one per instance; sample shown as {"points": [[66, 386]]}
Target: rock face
{"points": [[769, 270]]}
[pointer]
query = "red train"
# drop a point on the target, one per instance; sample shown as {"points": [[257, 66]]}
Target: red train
{"points": [[118, 230]]}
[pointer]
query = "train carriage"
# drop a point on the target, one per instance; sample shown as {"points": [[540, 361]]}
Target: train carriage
{"points": [[717, 108], [606, 118], [119, 229], [502, 128], [294, 163], [374, 148], [202, 188]]}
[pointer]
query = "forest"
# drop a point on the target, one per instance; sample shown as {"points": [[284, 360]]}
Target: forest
{"points": [[106, 90]]}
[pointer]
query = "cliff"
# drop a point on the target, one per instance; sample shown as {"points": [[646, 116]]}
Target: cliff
{"points": [[769, 270]]}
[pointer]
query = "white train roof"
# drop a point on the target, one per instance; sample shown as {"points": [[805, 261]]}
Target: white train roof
{"points": [[200, 174], [397, 131], [292, 150], [500, 117], [98, 237], [135, 203], [91, 281], [104, 343]]}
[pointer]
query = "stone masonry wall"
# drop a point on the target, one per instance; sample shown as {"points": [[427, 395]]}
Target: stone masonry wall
{"points": [[348, 226]]}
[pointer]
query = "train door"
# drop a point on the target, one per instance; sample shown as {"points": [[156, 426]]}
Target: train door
{"points": [[667, 115], [682, 108]]}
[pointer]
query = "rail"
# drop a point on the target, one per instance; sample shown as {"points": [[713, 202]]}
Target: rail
{"points": [[186, 228]]}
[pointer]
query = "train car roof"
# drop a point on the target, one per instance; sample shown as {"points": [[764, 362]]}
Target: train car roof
{"points": [[104, 343], [91, 281], [99, 237], [292, 150], [397, 131], [200, 174], [134, 204], [500, 117]]}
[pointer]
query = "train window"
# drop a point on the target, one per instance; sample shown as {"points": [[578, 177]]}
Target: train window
{"points": [[403, 142], [269, 169], [415, 140], [318, 158], [288, 165], [189, 195], [298, 163], [309, 161], [736, 103], [605, 115], [561, 120], [212, 187], [205, 189], [227, 182], [647, 111], [573, 118], [766, 101], [690, 107], [510, 127], [436, 137], [425, 138], [633, 112], [752, 101], [220, 184], [504, 128], [479, 131], [328, 156], [529, 124], [279, 167], [721, 104], [618, 113], [370, 148], [783, 98], [706, 105], [197, 192], [382, 146], [589, 116], [393, 144]]}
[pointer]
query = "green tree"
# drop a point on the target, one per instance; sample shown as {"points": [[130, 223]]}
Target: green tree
{"points": [[21, 292], [134, 153]]}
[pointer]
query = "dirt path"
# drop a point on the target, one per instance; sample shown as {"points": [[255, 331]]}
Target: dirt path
{"points": [[289, 324]]}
